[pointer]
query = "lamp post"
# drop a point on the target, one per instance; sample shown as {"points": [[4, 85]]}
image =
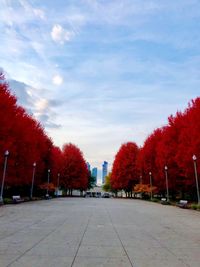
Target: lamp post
{"points": [[6, 154], [33, 177], [48, 183], [150, 176], [196, 177], [140, 179], [58, 182], [167, 187]]}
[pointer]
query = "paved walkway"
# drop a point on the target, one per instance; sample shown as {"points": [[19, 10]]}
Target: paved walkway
{"points": [[98, 232]]}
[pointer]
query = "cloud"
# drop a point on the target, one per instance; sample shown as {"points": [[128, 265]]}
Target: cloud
{"points": [[57, 79], [23, 92], [35, 103], [60, 35], [39, 13], [31, 11], [41, 105], [133, 63]]}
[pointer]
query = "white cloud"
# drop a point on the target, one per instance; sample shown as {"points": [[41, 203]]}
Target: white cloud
{"points": [[39, 13], [60, 35], [41, 105], [57, 79]]}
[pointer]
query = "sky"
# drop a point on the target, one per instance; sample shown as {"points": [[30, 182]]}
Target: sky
{"points": [[99, 73]]}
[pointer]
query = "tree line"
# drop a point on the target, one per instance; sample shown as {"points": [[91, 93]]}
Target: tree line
{"points": [[168, 149], [29, 147]]}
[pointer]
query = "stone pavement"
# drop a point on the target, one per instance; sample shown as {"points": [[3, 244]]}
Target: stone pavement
{"points": [[91, 232]]}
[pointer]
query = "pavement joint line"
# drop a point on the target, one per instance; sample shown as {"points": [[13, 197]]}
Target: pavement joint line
{"points": [[163, 246], [170, 251], [37, 243], [119, 238], [81, 239], [21, 229]]}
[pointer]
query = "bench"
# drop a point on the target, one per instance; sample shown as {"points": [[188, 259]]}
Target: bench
{"points": [[47, 196], [164, 201], [183, 204], [17, 199]]}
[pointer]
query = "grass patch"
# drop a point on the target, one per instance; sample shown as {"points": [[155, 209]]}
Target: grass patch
{"points": [[195, 206]]}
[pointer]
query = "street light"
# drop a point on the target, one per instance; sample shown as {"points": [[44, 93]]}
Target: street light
{"points": [[166, 177], [48, 183], [58, 182], [6, 154], [33, 177], [150, 176], [196, 176]]}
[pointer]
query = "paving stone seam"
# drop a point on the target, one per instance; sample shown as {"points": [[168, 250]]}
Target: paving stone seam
{"points": [[133, 265], [10, 264], [163, 246], [81, 239], [21, 229]]}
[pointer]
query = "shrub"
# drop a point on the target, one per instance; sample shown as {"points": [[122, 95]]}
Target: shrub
{"points": [[155, 200], [7, 201], [195, 206]]}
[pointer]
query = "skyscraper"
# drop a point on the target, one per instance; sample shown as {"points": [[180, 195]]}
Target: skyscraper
{"points": [[88, 166], [104, 171], [94, 174]]}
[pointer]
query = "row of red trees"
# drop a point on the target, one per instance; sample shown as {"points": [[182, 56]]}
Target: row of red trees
{"points": [[173, 146], [27, 142]]}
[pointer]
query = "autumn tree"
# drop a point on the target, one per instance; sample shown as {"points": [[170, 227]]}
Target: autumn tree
{"points": [[74, 171], [124, 173], [148, 155], [26, 141]]}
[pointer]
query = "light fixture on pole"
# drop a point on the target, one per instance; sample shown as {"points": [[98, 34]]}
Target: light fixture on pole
{"points": [[167, 187], [48, 182], [196, 177], [33, 177], [58, 183], [58, 180], [6, 154], [150, 176]]}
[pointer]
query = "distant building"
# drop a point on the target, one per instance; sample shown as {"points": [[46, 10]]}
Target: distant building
{"points": [[104, 171], [88, 166], [94, 174]]}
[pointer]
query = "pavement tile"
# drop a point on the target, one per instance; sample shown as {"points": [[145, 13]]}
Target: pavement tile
{"points": [[41, 261], [101, 262], [101, 251]]}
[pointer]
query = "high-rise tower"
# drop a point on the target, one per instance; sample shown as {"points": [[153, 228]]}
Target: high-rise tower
{"points": [[104, 171], [94, 174]]}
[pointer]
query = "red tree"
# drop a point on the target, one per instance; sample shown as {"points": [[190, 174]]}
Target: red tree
{"points": [[147, 157], [124, 173], [26, 141], [74, 172]]}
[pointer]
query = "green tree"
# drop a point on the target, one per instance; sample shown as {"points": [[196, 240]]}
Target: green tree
{"points": [[91, 181], [107, 186]]}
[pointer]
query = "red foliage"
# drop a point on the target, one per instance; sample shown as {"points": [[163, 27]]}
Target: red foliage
{"points": [[74, 172], [147, 158], [173, 146], [24, 138], [124, 173]]}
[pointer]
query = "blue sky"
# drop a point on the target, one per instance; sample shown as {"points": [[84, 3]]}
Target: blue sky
{"points": [[99, 73]]}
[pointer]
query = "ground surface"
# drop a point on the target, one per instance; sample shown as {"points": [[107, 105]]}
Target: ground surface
{"points": [[98, 232]]}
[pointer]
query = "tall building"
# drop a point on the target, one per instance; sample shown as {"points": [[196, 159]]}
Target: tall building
{"points": [[104, 171], [88, 166], [94, 174]]}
